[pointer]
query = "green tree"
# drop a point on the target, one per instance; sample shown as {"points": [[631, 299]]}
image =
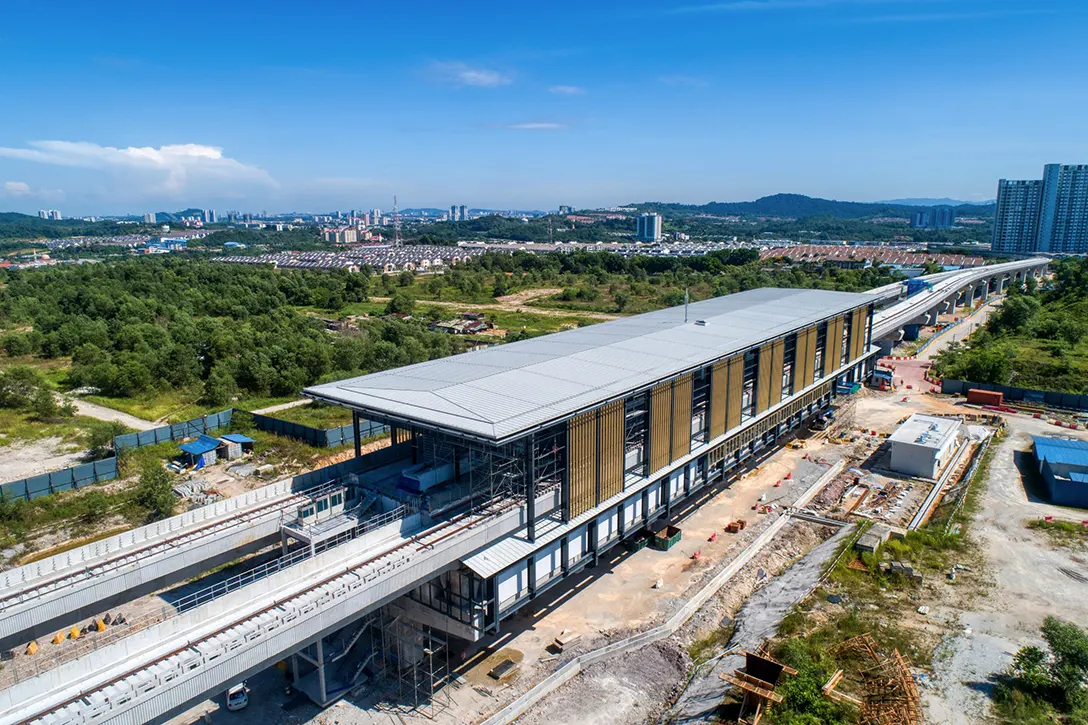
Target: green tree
{"points": [[100, 438], [94, 506], [19, 387], [400, 304], [45, 405], [220, 387], [154, 491]]}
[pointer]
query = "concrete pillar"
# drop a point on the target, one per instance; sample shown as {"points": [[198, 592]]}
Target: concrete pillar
{"points": [[910, 332], [886, 346], [321, 691]]}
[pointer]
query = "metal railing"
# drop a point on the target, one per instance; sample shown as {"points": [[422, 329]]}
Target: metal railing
{"points": [[25, 667]]}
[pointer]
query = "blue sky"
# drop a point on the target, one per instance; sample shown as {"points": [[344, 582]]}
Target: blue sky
{"points": [[119, 107]]}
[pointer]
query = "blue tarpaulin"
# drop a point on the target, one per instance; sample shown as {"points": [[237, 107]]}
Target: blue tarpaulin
{"points": [[200, 446], [237, 438]]}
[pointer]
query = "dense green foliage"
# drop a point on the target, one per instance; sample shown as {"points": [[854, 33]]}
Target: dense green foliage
{"points": [[24, 226], [540, 229], [154, 491], [175, 323], [261, 241], [1037, 339], [1051, 684], [24, 388]]}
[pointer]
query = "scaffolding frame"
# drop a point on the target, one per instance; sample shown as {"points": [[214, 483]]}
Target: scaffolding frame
{"points": [[416, 685]]}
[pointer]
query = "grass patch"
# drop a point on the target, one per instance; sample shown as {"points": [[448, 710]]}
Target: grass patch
{"points": [[75, 433], [316, 415], [702, 649], [1062, 533]]}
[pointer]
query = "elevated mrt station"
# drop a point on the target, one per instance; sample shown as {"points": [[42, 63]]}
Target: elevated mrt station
{"points": [[597, 432]]}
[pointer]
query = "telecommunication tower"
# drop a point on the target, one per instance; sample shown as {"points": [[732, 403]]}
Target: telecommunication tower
{"points": [[396, 223]]}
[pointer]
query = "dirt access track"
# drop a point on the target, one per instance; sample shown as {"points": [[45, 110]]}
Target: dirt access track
{"points": [[515, 303]]}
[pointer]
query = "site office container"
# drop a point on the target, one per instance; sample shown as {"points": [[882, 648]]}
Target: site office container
{"points": [[985, 397]]}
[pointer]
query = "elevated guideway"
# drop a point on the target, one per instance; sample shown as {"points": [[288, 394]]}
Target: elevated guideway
{"points": [[37, 598], [946, 290], [154, 672]]}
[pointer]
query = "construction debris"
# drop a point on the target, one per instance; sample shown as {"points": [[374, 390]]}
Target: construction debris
{"points": [[757, 680], [890, 695]]}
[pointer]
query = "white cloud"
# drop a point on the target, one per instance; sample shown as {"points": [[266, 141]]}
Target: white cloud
{"points": [[462, 74], [537, 126], [568, 90], [173, 169], [23, 190], [16, 188]]}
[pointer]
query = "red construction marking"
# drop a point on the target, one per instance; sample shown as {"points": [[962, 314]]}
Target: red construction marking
{"points": [[904, 399], [713, 537], [789, 476], [697, 555], [1048, 519], [777, 484]]}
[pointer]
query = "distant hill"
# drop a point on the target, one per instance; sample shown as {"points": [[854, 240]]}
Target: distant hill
{"points": [[798, 206], [936, 202], [25, 226], [166, 216]]}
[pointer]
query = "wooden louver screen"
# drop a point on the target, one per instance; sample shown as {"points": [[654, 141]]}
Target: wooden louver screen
{"points": [[681, 416], [736, 390], [857, 333], [719, 389], [660, 430], [834, 342], [777, 353], [763, 380], [582, 434], [610, 449], [802, 361]]}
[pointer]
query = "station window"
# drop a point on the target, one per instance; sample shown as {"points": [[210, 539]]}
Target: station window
{"points": [[821, 347], [748, 392], [847, 324], [789, 365], [322, 505], [635, 426], [700, 405]]}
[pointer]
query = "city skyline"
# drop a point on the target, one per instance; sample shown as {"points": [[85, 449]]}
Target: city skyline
{"points": [[729, 101]]}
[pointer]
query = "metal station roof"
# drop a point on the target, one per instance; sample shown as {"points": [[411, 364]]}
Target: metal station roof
{"points": [[498, 392], [1061, 450], [927, 431]]}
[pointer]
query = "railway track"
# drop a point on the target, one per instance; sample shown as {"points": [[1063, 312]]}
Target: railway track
{"points": [[43, 586], [161, 669]]}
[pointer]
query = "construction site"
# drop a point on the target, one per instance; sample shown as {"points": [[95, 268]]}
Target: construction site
{"points": [[596, 520]]}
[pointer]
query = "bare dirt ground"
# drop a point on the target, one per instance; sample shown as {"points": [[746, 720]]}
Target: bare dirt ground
{"points": [[31, 458], [281, 406], [1024, 583], [101, 412], [758, 619], [515, 303]]}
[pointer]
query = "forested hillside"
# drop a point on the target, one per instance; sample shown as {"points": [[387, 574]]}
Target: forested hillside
{"points": [[1038, 338]]}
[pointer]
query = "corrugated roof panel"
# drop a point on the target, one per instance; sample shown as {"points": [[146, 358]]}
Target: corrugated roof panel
{"points": [[1061, 450], [556, 375]]}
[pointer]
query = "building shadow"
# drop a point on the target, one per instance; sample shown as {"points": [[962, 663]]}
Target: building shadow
{"points": [[1030, 479]]}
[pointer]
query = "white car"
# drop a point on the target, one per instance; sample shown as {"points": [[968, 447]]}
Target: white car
{"points": [[237, 697]]}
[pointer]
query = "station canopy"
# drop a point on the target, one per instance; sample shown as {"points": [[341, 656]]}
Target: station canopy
{"points": [[499, 392]]}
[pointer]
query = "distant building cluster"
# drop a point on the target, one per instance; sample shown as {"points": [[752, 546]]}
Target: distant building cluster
{"points": [[940, 217], [860, 257], [649, 228], [124, 240], [412, 258], [49, 214], [1043, 215], [457, 214]]}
